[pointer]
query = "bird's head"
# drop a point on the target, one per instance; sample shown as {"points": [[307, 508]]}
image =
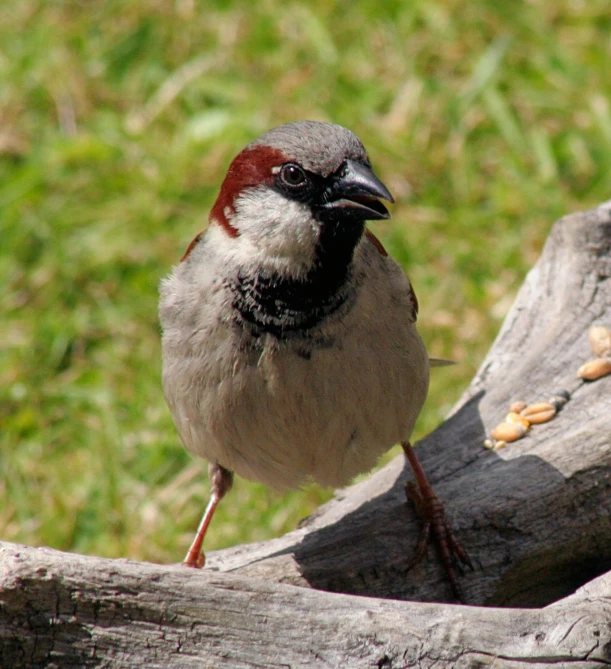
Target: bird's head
{"points": [[301, 190]]}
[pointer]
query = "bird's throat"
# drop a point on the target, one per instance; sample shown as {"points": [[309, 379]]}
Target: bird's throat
{"points": [[287, 306]]}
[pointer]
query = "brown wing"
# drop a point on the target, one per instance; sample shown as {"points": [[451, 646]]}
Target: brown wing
{"points": [[383, 252], [191, 246], [376, 242]]}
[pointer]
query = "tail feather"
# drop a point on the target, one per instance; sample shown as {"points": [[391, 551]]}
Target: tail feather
{"points": [[441, 362]]}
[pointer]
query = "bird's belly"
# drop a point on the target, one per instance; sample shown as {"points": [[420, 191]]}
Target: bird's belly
{"points": [[281, 417]]}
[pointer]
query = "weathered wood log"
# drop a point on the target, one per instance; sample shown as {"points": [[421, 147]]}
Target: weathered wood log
{"points": [[69, 611], [535, 518]]}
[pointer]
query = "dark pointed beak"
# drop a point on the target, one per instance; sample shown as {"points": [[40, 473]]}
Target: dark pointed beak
{"points": [[357, 190]]}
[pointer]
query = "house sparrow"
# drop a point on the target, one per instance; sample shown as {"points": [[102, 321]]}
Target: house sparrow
{"points": [[290, 350]]}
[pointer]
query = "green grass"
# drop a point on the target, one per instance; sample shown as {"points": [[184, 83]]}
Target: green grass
{"points": [[488, 120]]}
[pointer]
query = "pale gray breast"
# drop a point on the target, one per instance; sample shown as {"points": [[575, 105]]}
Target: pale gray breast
{"points": [[325, 405]]}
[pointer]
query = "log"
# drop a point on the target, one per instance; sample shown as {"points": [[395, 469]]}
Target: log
{"points": [[64, 611], [534, 517]]}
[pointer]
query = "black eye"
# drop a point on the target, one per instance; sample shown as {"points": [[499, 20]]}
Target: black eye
{"points": [[293, 175]]}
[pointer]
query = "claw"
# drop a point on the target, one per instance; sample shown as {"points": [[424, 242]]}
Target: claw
{"points": [[430, 508]]}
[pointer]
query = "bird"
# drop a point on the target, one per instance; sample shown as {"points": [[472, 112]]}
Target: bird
{"points": [[290, 351]]}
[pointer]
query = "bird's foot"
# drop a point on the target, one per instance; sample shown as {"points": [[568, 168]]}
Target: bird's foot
{"points": [[194, 562], [430, 508]]}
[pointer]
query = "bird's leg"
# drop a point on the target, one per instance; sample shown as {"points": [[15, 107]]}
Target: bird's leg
{"points": [[221, 480], [430, 508]]}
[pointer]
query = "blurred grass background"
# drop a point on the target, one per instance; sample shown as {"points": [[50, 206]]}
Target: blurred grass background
{"points": [[488, 120]]}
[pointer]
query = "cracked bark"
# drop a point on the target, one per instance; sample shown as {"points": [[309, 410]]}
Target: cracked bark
{"points": [[534, 517]]}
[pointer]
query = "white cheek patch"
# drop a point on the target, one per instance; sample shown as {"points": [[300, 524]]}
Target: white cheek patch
{"points": [[277, 229]]}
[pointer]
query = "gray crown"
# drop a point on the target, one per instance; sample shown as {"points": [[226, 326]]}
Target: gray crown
{"points": [[318, 147]]}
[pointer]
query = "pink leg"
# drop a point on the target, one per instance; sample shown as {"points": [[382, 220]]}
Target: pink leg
{"points": [[430, 508], [221, 480]]}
